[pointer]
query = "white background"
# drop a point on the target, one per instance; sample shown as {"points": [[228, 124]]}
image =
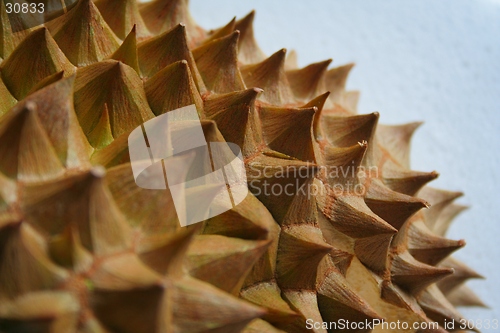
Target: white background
{"points": [[437, 61]]}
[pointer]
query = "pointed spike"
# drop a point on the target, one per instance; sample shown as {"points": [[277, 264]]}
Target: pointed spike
{"points": [[163, 15], [47, 81], [22, 249], [342, 163], [270, 76], [37, 57], [337, 299], [406, 181], [437, 307], [424, 246], [301, 248], [413, 275], [86, 204], [152, 211], [335, 82], [253, 221], [396, 139], [57, 116], [351, 101], [291, 61], [393, 207], [71, 31], [229, 314], [221, 32], [22, 140], [351, 216], [117, 85], [393, 294], [123, 285], [308, 82], [248, 50], [305, 303], [234, 113], [438, 200], [289, 130], [373, 251], [464, 296], [347, 131], [165, 253], [461, 274], [172, 88], [210, 255], [122, 16], [127, 52], [142, 306], [318, 102], [264, 172], [217, 62], [446, 217], [100, 136], [167, 48], [268, 295]]}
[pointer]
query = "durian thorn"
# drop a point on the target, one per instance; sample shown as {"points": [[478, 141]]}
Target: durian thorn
{"points": [[249, 51], [46, 81], [291, 61], [269, 75], [341, 73], [221, 32], [306, 81], [395, 141], [427, 247], [345, 131], [415, 276], [244, 23], [127, 55], [318, 102]]}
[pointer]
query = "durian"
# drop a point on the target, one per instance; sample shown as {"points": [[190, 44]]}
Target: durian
{"points": [[84, 249]]}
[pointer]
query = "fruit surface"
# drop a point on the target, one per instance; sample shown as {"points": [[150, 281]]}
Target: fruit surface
{"points": [[337, 227]]}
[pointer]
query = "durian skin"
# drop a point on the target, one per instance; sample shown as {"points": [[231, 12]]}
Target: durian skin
{"points": [[83, 249]]}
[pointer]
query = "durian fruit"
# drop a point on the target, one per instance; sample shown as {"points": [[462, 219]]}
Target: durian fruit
{"points": [[84, 249]]}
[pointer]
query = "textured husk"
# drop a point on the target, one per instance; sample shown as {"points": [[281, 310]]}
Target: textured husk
{"points": [[84, 249]]}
